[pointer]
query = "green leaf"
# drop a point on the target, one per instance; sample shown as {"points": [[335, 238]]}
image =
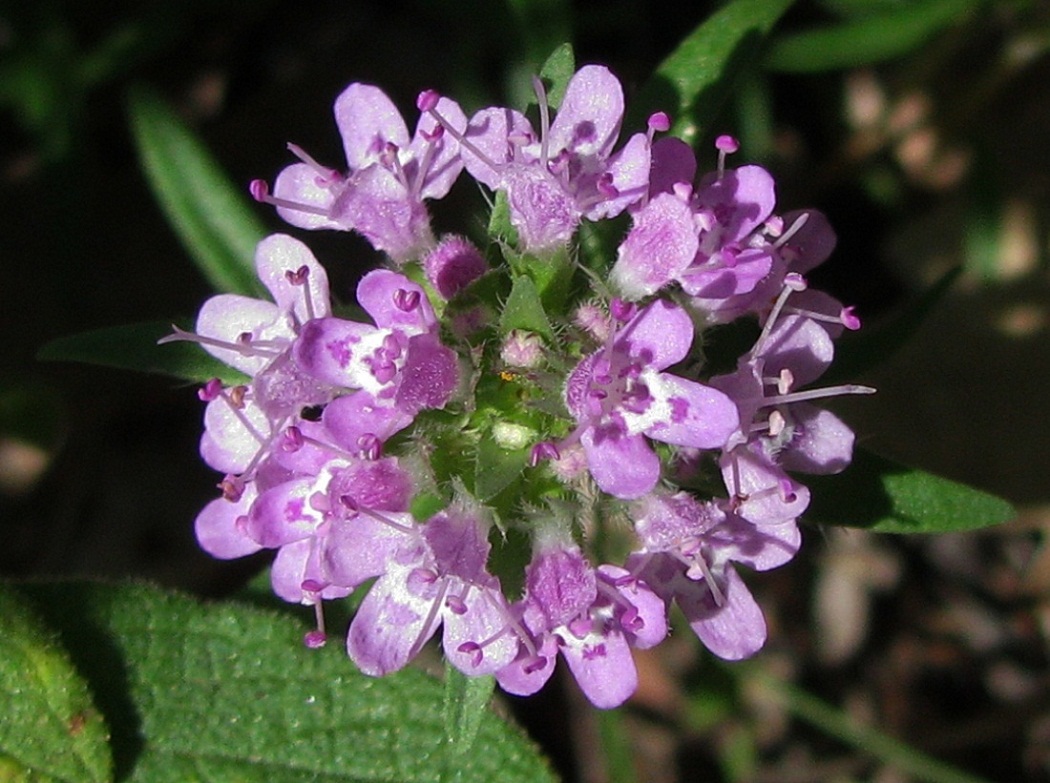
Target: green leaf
{"points": [[557, 72], [695, 79], [50, 730], [466, 705], [134, 347], [886, 497], [497, 468], [859, 352], [212, 218], [225, 692], [867, 39], [524, 310]]}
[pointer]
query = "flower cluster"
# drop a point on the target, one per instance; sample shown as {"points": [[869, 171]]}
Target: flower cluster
{"points": [[552, 404]]}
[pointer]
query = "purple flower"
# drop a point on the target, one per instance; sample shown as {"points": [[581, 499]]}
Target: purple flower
{"points": [[381, 195], [399, 362], [438, 577], [591, 616], [706, 240], [687, 550], [334, 529], [569, 171], [619, 396], [256, 337]]}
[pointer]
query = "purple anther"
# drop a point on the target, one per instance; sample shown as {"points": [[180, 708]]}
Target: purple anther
{"points": [[311, 586], [631, 621], [244, 338], [473, 649], [210, 391], [406, 301], [456, 605], [849, 318], [315, 639], [434, 135], [787, 492], [427, 100], [297, 276], [291, 440], [370, 446], [543, 450], [388, 157], [659, 121], [727, 144], [795, 281], [606, 187], [259, 190], [349, 503], [622, 311], [534, 664]]}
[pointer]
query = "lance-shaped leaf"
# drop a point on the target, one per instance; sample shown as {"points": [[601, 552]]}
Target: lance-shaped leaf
{"points": [[134, 347], [697, 77], [213, 219], [867, 39], [886, 497], [224, 692]]}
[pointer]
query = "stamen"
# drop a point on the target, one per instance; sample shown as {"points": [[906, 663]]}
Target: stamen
{"points": [[427, 102], [291, 440], [726, 145], [427, 629], [659, 122], [709, 579], [793, 282], [543, 450], [260, 191], [328, 175], [385, 520], [210, 391], [406, 301], [545, 119], [800, 221], [245, 348], [816, 394], [231, 487], [370, 445]]}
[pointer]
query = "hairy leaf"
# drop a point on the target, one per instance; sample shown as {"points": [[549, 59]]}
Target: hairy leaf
{"points": [[50, 729], [225, 692]]}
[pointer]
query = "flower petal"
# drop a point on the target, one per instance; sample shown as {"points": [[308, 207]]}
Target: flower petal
{"points": [[623, 465], [367, 121], [279, 254]]}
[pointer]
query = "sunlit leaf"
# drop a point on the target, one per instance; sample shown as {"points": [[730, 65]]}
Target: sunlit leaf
{"points": [[50, 729], [224, 692], [883, 496], [697, 77]]}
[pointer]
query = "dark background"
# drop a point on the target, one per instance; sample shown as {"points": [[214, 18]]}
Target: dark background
{"points": [[936, 158]]}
